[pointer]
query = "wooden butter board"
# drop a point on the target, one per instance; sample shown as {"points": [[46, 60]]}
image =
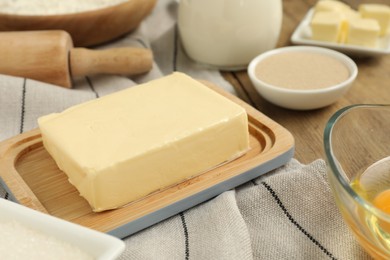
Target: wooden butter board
{"points": [[33, 179]]}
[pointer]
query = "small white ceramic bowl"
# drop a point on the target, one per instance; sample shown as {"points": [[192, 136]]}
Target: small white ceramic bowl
{"points": [[303, 99], [97, 244]]}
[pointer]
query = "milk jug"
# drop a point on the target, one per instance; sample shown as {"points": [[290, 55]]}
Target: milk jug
{"points": [[228, 34]]}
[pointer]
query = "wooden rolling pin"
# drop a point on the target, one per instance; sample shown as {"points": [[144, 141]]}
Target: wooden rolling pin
{"points": [[49, 56]]}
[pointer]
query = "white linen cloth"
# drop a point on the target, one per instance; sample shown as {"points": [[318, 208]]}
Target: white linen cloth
{"points": [[287, 214]]}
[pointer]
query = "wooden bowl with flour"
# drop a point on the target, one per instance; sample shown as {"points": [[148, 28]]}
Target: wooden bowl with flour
{"points": [[89, 24]]}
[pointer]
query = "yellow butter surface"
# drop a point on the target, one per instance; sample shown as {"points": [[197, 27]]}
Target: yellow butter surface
{"points": [[326, 26], [330, 6], [363, 32], [126, 145], [379, 12]]}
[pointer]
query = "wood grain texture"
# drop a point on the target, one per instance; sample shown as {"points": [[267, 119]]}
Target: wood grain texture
{"points": [[49, 56], [371, 86], [126, 61], [34, 179], [86, 28], [41, 55]]}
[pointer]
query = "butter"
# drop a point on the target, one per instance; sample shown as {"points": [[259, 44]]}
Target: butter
{"points": [[363, 32], [348, 15], [326, 26], [380, 13], [335, 21], [126, 145], [330, 6]]}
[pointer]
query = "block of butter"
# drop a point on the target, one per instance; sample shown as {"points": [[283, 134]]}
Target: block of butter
{"points": [[327, 26], [126, 145], [379, 12], [363, 32]]}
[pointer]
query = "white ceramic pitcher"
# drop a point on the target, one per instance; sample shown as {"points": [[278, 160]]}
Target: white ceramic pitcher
{"points": [[228, 34]]}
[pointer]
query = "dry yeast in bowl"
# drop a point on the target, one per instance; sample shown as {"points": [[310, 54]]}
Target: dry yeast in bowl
{"points": [[302, 77]]}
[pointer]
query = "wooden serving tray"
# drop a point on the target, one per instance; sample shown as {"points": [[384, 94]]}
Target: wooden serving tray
{"points": [[33, 179]]}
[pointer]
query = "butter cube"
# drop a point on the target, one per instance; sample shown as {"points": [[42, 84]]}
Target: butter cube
{"points": [[347, 16], [124, 146], [363, 32], [344, 11], [350, 14], [327, 26], [379, 12], [330, 6]]}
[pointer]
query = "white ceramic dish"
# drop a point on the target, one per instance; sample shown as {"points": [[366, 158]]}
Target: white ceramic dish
{"points": [[303, 99], [99, 245], [302, 36]]}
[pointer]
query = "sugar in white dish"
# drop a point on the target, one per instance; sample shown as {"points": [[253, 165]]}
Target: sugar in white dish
{"points": [[52, 7], [20, 242]]}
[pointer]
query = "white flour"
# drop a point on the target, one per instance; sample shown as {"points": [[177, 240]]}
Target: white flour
{"points": [[20, 242], [51, 7]]}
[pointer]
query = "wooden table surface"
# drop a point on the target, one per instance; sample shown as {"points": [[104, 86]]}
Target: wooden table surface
{"points": [[371, 86]]}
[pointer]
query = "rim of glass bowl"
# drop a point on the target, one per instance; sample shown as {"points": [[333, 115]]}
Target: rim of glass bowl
{"points": [[332, 161]]}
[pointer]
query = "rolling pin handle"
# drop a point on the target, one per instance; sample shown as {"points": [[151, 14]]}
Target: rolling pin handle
{"points": [[124, 61]]}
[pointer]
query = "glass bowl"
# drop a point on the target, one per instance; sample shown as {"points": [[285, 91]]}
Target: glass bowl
{"points": [[357, 147]]}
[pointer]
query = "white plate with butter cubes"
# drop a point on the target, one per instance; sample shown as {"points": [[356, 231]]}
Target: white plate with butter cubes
{"points": [[302, 36]]}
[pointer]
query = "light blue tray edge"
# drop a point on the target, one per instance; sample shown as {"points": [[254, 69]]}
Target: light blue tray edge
{"points": [[189, 202]]}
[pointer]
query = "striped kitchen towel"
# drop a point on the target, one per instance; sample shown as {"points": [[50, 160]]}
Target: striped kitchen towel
{"points": [[286, 214]]}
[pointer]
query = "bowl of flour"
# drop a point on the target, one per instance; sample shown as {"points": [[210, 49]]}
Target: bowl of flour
{"points": [[89, 22]]}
